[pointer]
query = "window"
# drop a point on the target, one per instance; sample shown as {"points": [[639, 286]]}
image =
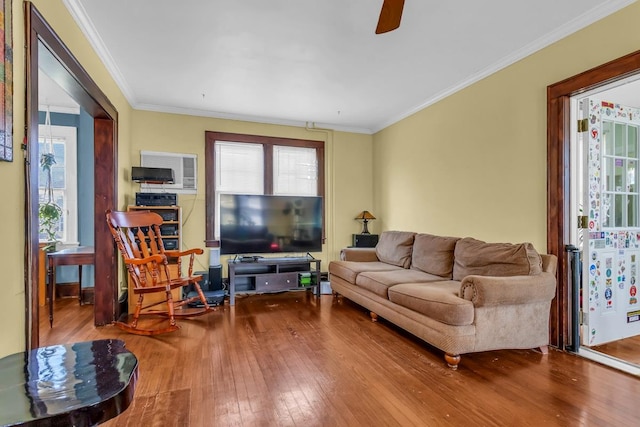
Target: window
{"points": [[251, 164], [620, 172], [61, 140], [295, 171]]}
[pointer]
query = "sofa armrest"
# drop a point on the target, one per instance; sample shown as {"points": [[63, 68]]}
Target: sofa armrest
{"points": [[491, 290], [358, 254]]}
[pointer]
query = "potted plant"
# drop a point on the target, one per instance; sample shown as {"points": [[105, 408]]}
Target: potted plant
{"points": [[49, 213]]}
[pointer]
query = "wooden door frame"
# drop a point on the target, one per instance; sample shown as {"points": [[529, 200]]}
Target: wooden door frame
{"points": [[559, 174], [74, 79]]}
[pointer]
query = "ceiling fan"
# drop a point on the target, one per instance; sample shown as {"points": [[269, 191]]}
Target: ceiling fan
{"points": [[390, 16]]}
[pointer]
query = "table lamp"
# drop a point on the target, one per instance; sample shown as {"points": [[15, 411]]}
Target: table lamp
{"points": [[365, 216]]}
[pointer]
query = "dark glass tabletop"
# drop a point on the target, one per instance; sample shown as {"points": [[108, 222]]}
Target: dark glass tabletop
{"points": [[79, 384]]}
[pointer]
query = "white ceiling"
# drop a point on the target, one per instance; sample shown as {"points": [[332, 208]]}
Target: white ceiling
{"points": [[315, 61]]}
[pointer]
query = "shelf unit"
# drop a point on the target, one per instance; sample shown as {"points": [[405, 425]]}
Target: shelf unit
{"points": [[171, 227], [266, 275], [171, 233]]}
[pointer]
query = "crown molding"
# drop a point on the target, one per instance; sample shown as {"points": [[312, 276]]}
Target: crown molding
{"points": [[58, 109], [79, 15], [248, 118]]}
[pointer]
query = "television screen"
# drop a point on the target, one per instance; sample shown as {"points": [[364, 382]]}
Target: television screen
{"points": [[256, 224]]}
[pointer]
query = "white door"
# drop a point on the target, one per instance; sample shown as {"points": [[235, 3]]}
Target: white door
{"points": [[611, 242]]}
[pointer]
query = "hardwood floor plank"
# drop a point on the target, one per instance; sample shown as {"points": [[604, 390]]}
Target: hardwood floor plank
{"points": [[289, 360], [625, 349]]}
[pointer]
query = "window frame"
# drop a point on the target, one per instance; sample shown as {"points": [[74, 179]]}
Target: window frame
{"points": [[68, 137], [268, 143], [609, 189]]}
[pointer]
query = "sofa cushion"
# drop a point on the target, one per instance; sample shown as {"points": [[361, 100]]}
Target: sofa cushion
{"points": [[434, 254], [494, 259], [437, 300], [379, 282], [394, 247], [348, 270]]}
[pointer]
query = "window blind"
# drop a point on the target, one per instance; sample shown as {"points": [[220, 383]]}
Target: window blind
{"points": [[239, 168], [295, 171]]}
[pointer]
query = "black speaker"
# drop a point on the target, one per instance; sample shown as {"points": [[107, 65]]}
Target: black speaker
{"points": [[212, 290], [215, 278], [365, 240]]}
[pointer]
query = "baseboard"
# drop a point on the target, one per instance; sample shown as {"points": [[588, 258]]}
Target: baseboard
{"points": [[70, 290]]}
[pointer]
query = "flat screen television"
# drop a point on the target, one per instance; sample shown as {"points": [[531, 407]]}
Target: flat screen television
{"points": [[259, 224]]}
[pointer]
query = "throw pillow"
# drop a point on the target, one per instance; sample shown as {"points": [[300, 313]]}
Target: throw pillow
{"points": [[394, 247], [434, 254], [495, 259]]}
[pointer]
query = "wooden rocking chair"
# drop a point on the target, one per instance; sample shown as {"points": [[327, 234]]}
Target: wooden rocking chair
{"points": [[137, 234]]}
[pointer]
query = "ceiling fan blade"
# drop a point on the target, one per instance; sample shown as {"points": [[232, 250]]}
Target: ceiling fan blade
{"points": [[390, 16]]}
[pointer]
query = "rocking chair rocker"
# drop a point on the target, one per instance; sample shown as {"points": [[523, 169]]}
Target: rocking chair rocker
{"points": [[138, 237]]}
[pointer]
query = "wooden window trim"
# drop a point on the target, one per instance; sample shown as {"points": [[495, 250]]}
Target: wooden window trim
{"points": [[268, 142]]}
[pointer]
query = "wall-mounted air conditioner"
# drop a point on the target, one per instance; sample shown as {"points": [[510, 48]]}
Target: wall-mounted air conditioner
{"points": [[184, 168]]}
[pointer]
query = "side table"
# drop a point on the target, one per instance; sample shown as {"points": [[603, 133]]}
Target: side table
{"points": [[80, 384], [81, 255]]}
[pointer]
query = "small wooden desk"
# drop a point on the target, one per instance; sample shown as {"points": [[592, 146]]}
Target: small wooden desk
{"points": [[81, 255], [81, 384]]}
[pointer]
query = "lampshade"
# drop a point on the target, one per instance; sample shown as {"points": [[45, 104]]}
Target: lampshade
{"points": [[365, 215]]}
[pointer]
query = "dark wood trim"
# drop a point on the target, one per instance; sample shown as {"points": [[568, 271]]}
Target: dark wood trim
{"points": [[31, 178], [268, 169], [66, 71], [106, 276], [558, 177], [268, 142], [210, 191]]}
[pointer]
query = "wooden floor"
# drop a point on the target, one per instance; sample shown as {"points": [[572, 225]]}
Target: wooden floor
{"points": [[627, 349], [290, 360]]}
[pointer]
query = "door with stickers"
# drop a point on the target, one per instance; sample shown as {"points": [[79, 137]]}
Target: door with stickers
{"points": [[611, 240]]}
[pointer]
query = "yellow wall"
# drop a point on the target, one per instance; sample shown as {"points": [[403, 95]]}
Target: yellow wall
{"points": [[474, 164], [12, 335]]}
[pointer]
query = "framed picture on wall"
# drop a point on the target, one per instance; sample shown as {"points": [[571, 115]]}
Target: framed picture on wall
{"points": [[6, 83]]}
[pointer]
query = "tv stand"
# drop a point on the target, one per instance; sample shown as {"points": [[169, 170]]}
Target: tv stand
{"points": [[264, 275]]}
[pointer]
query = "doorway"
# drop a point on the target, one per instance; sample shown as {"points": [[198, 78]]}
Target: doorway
{"points": [[560, 221], [605, 213], [67, 73]]}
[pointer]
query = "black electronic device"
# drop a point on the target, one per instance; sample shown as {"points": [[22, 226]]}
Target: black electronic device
{"points": [[212, 289], [152, 175], [169, 229], [247, 258], [256, 224], [365, 240], [156, 199], [215, 278], [170, 244]]}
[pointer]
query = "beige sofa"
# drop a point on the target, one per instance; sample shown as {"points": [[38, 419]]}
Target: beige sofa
{"points": [[459, 295]]}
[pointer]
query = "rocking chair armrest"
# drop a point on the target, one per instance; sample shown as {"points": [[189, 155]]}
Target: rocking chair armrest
{"points": [[152, 258], [176, 253], [191, 253]]}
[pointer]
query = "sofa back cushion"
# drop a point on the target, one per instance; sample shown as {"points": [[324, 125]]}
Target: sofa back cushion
{"points": [[495, 259], [395, 247], [434, 254]]}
